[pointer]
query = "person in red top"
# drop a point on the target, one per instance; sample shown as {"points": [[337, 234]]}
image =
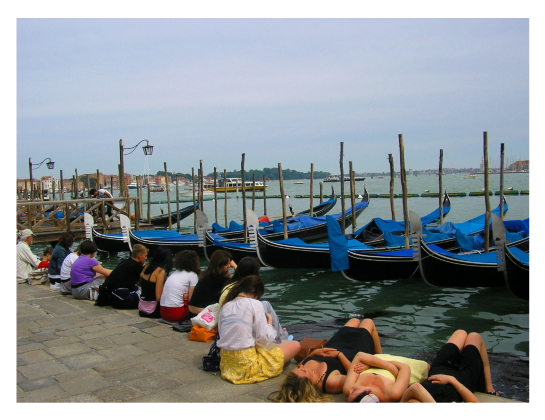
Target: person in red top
{"points": [[46, 257]]}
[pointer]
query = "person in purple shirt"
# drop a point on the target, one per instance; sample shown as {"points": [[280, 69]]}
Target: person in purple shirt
{"points": [[87, 274]]}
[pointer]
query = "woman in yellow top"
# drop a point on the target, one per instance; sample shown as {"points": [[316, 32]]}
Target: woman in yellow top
{"points": [[357, 386]]}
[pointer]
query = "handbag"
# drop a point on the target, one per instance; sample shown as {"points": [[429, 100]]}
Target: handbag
{"points": [[208, 317], [211, 362], [147, 307], [199, 333], [308, 345], [38, 276]]}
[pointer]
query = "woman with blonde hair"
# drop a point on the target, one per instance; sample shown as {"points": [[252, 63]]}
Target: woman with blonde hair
{"points": [[324, 370]]}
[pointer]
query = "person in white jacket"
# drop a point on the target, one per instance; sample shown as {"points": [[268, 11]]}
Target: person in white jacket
{"points": [[246, 336], [26, 260]]}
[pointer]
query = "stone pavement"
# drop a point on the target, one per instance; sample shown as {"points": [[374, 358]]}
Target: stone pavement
{"points": [[70, 350]]}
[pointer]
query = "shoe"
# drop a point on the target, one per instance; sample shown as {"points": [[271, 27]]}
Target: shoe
{"points": [[56, 287]]}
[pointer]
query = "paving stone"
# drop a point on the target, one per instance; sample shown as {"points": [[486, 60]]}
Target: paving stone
{"points": [[131, 337], [73, 375], [82, 361], [99, 343], [42, 369], [49, 394], [86, 385], [41, 338], [163, 396], [31, 357], [69, 350], [166, 365], [29, 347], [153, 383], [37, 384], [57, 307], [161, 331], [126, 374], [122, 352], [92, 328], [106, 332], [118, 393], [158, 344], [62, 341], [145, 325], [82, 398], [70, 332]]}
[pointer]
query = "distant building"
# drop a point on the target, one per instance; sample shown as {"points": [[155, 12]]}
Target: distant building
{"points": [[520, 166]]}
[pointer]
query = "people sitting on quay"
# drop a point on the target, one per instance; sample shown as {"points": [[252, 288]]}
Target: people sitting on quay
{"points": [[26, 260], [179, 287], [60, 252], [66, 268], [211, 282], [87, 274], [120, 289], [152, 281], [460, 368], [250, 266], [46, 257], [246, 336]]}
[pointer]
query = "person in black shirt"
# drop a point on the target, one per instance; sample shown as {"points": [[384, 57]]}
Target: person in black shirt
{"points": [[211, 282], [120, 288], [460, 368]]}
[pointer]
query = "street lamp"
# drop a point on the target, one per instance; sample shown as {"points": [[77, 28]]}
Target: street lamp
{"points": [[50, 165], [148, 150]]}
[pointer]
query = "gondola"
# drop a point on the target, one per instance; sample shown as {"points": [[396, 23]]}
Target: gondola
{"points": [[304, 227], [321, 209], [516, 272], [296, 253], [239, 249], [107, 242], [442, 268], [161, 220], [152, 239], [383, 264]]}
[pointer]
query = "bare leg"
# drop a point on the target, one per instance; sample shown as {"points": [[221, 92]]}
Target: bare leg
{"points": [[459, 338], [290, 349], [476, 340], [369, 325], [354, 323]]}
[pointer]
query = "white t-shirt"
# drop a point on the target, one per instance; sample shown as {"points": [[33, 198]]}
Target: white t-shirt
{"points": [[176, 285], [66, 266]]}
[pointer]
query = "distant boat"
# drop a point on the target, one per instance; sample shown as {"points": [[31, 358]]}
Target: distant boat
{"points": [[337, 178], [188, 192], [233, 184], [298, 182], [132, 186], [468, 176], [156, 188]]}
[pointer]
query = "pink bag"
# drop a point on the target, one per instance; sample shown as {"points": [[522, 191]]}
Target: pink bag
{"points": [[147, 307]]}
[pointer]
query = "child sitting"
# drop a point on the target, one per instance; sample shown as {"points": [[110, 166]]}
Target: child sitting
{"points": [[45, 258]]}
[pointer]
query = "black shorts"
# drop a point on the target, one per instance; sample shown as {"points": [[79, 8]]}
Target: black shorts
{"points": [[350, 341], [466, 366]]}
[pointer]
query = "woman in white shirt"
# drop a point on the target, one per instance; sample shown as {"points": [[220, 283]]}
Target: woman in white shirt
{"points": [[246, 336], [179, 287]]}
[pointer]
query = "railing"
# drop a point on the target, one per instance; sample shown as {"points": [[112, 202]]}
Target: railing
{"points": [[48, 216]]}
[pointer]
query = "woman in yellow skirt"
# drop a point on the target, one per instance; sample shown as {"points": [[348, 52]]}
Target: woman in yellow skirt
{"points": [[248, 352]]}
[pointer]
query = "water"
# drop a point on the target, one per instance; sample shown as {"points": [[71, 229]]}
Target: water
{"points": [[411, 316]]}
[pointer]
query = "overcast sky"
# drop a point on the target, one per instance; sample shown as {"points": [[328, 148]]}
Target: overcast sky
{"points": [[281, 91]]}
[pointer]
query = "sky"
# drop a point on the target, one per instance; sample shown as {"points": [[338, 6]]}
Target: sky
{"points": [[283, 91]]}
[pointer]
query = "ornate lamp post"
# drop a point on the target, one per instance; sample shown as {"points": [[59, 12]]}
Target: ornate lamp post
{"points": [[148, 150], [50, 165]]}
